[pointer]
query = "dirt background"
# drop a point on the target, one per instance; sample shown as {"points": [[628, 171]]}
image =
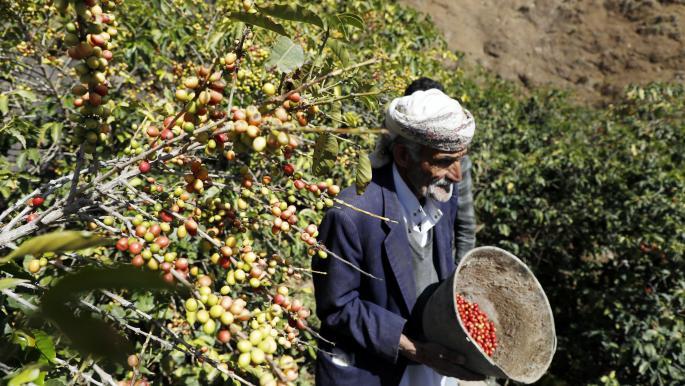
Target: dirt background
{"points": [[593, 47]]}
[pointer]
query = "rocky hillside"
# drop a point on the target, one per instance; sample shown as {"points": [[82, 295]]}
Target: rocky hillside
{"points": [[594, 47]]}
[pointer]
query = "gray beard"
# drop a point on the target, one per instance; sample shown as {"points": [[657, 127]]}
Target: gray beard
{"points": [[440, 190]]}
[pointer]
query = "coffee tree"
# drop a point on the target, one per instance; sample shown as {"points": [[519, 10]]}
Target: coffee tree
{"points": [[209, 168], [206, 156]]}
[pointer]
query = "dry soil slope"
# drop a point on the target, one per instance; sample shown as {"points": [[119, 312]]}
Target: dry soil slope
{"points": [[594, 47]]}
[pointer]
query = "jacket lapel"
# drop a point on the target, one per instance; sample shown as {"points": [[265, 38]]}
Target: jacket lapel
{"points": [[443, 250], [398, 252], [396, 243]]}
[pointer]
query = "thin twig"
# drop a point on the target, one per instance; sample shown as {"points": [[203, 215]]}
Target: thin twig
{"points": [[341, 202], [75, 371], [19, 299], [279, 99], [77, 172], [341, 130]]}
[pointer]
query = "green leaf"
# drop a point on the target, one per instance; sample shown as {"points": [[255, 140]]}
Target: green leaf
{"points": [[56, 242], [335, 112], [20, 163], [53, 128], [90, 335], [343, 21], [11, 282], [145, 302], [370, 101], [215, 38], [325, 154], [340, 51], [292, 12], [259, 21], [23, 339], [30, 96], [363, 175], [4, 104], [212, 191], [351, 19], [28, 374], [33, 155], [286, 55], [45, 345], [91, 278], [643, 367], [18, 136]]}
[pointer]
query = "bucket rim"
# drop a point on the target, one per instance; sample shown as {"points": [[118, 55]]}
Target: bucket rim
{"points": [[464, 260]]}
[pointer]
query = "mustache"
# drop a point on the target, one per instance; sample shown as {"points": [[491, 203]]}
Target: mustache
{"points": [[442, 183]]}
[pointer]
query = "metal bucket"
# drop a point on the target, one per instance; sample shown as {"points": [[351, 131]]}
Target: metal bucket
{"points": [[508, 292]]}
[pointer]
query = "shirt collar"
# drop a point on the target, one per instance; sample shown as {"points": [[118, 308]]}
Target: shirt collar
{"points": [[419, 218]]}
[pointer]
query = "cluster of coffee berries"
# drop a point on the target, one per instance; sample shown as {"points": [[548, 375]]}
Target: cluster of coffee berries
{"points": [[248, 268], [284, 217], [229, 61], [89, 41], [198, 178], [35, 203], [249, 130], [479, 327], [258, 334], [200, 94], [34, 265], [212, 310], [322, 186], [297, 313], [133, 362], [147, 245], [309, 235]]}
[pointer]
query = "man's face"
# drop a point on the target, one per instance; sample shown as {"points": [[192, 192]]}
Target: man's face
{"points": [[435, 173]]}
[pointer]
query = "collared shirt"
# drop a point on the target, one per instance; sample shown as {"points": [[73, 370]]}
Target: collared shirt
{"points": [[419, 221]]}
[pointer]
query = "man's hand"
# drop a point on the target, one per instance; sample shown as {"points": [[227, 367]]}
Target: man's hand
{"points": [[438, 358]]}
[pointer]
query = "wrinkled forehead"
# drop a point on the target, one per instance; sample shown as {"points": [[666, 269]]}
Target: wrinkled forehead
{"points": [[440, 154]]}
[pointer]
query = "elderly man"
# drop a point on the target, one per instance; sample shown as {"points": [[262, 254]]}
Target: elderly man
{"points": [[365, 302], [465, 225]]}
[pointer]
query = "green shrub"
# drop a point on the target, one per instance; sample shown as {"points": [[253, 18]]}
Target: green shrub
{"points": [[592, 200]]}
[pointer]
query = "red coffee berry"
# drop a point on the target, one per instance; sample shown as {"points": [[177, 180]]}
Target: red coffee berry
{"points": [[162, 241], [289, 169], [166, 216], [299, 184], [182, 264], [144, 167], [279, 299], [122, 244], [166, 134], [224, 336], [137, 261], [135, 248]]}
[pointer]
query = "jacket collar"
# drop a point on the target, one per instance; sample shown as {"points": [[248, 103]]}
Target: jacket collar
{"points": [[397, 244], [420, 218]]}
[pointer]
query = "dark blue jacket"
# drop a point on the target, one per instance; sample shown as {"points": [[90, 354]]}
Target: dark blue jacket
{"points": [[362, 315]]}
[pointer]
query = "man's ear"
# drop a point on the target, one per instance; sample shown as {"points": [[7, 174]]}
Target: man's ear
{"points": [[400, 155]]}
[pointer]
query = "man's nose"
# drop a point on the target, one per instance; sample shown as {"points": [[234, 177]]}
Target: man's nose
{"points": [[454, 172]]}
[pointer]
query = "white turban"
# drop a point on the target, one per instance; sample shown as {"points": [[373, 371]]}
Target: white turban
{"points": [[431, 118]]}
